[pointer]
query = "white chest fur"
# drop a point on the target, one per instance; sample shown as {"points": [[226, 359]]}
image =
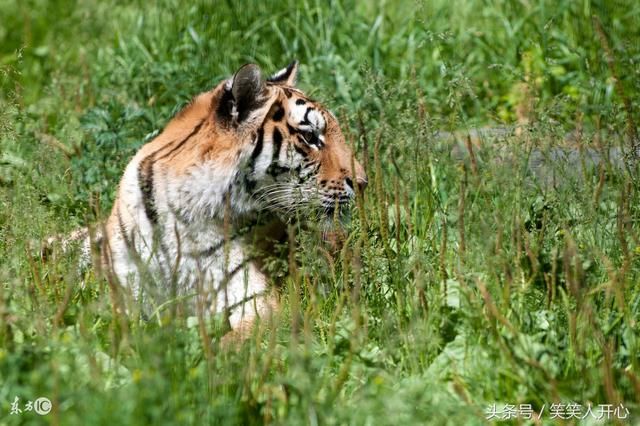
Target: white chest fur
{"points": [[186, 251]]}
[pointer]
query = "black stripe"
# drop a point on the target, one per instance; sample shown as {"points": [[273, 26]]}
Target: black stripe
{"points": [[145, 175], [213, 250], [207, 252], [178, 214], [277, 144], [305, 120], [183, 141], [249, 183], [242, 302], [123, 231], [145, 181], [300, 102], [258, 148], [292, 129], [276, 170], [300, 151], [279, 114], [229, 275]]}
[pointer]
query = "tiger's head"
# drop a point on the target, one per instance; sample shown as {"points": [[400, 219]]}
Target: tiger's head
{"points": [[294, 156]]}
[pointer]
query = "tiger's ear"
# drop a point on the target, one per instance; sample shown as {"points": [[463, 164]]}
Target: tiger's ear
{"points": [[247, 91], [286, 76]]}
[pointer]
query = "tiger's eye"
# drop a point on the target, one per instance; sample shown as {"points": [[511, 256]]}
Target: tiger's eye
{"points": [[310, 137]]}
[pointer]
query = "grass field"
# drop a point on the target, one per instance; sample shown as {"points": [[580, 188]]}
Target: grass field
{"points": [[471, 276]]}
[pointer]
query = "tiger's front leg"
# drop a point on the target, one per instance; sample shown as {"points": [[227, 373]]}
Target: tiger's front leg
{"points": [[224, 280], [259, 311], [247, 301]]}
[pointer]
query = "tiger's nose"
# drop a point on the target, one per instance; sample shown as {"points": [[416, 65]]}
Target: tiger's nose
{"points": [[362, 183]]}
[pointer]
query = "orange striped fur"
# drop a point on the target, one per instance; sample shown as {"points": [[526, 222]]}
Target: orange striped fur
{"points": [[250, 148]]}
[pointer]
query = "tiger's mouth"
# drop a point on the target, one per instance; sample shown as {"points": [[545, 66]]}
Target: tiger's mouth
{"points": [[337, 212], [307, 204], [333, 223]]}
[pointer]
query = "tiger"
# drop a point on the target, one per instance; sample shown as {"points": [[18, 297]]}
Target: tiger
{"points": [[250, 146]]}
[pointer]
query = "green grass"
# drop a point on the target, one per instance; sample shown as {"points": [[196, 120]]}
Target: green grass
{"points": [[464, 283]]}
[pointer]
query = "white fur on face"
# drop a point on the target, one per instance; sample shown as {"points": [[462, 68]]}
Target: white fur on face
{"points": [[280, 74], [306, 117]]}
